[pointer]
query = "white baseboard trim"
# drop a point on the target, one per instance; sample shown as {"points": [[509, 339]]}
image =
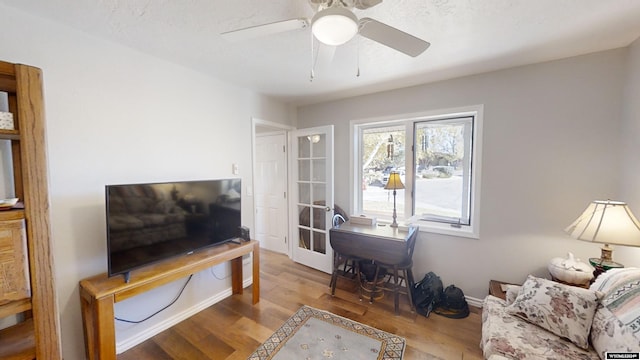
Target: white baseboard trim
{"points": [[127, 344], [474, 301]]}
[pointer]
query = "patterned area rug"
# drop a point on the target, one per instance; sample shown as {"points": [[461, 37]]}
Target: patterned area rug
{"points": [[316, 334]]}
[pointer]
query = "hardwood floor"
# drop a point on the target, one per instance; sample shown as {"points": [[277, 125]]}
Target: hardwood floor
{"points": [[233, 328]]}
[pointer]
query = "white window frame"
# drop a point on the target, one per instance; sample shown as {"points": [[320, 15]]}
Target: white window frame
{"points": [[355, 175]]}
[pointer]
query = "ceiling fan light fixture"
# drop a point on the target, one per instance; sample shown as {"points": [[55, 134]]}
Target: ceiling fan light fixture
{"points": [[334, 26]]}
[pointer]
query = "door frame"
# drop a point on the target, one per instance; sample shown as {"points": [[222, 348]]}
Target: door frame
{"points": [[277, 128]]}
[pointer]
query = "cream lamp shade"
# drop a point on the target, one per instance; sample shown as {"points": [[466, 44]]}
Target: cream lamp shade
{"points": [[606, 222]]}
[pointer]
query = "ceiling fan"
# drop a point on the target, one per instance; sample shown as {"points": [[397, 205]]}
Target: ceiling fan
{"points": [[335, 24]]}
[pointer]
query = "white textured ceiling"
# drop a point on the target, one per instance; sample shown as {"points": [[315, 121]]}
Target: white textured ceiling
{"points": [[466, 36]]}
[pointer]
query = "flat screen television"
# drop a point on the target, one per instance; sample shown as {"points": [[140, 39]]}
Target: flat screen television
{"points": [[147, 223]]}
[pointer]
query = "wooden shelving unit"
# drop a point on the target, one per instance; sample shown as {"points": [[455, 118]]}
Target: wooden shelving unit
{"points": [[18, 342], [37, 335]]}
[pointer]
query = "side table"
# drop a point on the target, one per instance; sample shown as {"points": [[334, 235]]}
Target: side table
{"points": [[602, 266], [584, 286], [495, 289]]}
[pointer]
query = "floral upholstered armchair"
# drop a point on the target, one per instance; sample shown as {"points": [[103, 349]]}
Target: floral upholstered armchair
{"points": [[543, 319]]}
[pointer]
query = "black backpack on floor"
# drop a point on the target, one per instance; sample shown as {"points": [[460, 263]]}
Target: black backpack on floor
{"points": [[427, 293], [453, 304]]}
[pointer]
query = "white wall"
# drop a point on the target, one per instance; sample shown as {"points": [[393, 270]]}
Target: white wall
{"points": [[550, 146], [630, 176], [115, 115]]}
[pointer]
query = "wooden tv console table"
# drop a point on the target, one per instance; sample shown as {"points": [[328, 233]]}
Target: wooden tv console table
{"points": [[99, 293]]}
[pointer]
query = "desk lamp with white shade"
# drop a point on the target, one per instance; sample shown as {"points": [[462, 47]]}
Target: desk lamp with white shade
{"points": [[606, 222]]}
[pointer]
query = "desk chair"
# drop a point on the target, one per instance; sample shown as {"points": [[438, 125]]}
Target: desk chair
{"points": [[349, 263], [400, 273]]}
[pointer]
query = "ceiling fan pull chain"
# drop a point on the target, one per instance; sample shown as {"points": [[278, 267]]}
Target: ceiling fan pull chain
{"points": [[312, 75], [358, 56]]}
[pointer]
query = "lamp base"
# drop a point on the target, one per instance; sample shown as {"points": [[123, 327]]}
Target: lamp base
{"points": [[394, 224], [606, 253]]}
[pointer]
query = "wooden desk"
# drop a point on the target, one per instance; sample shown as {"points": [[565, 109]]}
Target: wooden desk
{"points": [[98, 294], [378, 243]]}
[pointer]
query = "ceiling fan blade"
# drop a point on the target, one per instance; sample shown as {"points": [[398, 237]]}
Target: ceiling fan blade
{"points": [[365, 4], [265, 29], [392, 37]]}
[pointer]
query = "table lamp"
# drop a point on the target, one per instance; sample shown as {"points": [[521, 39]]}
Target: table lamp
{"points": [[394, 183], [606, 222]]}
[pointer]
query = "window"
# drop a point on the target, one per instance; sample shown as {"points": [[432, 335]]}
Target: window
{"points": [[440, 188], [383, 150]]}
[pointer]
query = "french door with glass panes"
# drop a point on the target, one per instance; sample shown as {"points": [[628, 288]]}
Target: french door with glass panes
{"points": [[312, 196]]}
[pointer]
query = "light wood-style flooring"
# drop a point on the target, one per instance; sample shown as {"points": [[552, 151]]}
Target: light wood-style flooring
{"points": [[234, 328]]}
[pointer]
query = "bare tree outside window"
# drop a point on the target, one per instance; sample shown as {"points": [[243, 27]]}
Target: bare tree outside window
{"points": [[383, 151], [442, 170]]}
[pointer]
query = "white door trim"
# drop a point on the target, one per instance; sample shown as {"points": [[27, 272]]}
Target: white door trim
{"points": [[277, 127]]}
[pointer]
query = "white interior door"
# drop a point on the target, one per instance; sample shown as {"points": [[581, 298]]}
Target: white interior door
{"points": [[312, 196], [270, 191]]}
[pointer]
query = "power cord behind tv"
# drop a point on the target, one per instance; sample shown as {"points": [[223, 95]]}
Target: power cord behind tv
{"points": [[161, 310]]}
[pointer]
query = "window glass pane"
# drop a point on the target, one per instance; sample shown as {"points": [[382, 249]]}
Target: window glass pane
{"points": [[304, 193], [383, 151], [319, 169], [305, 221], [304, 147], [319, 216], [305, 239], [319, 194], [304, 170], [304, 216], [443, 170], [319, 242], [318, 145]]}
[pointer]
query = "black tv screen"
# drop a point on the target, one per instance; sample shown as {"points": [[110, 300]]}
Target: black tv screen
{"points": [[152, 222]]}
